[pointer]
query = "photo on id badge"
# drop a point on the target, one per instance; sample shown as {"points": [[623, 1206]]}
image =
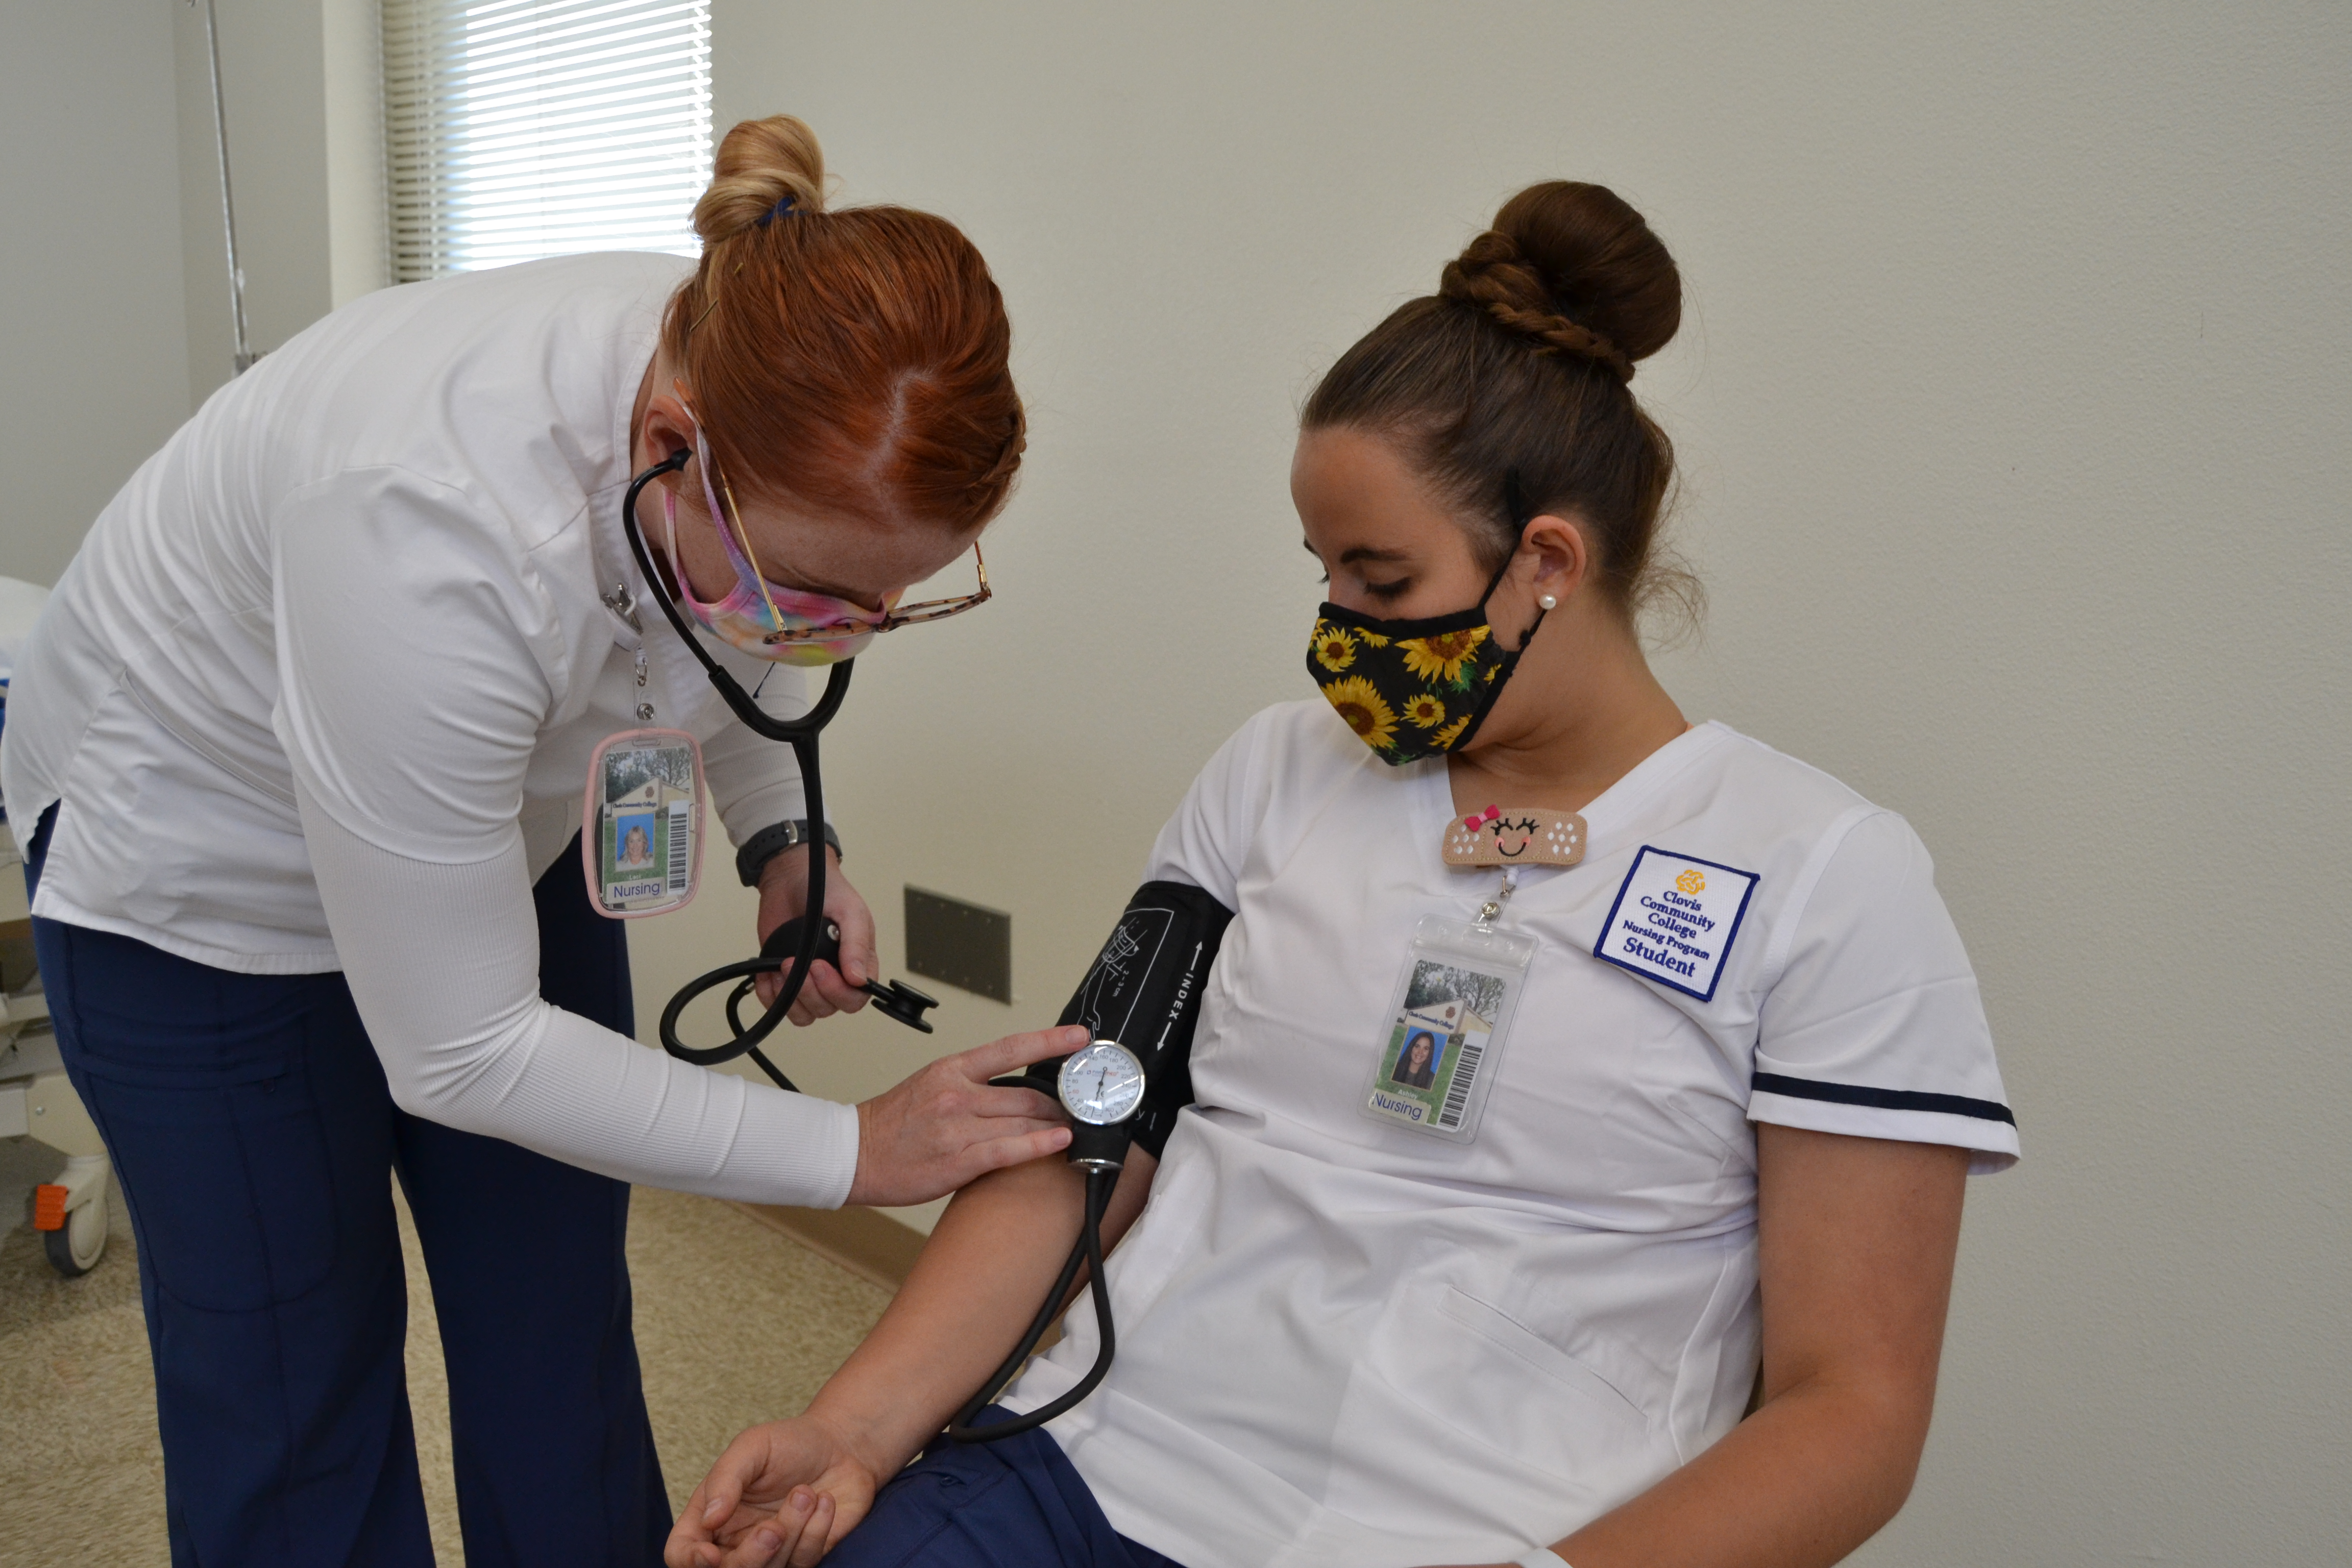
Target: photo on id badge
{"points": [[643, 815], [1436, 1042]]}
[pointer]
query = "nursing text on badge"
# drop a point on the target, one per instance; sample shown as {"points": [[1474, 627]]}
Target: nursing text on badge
{"points": [[1675, 920]]}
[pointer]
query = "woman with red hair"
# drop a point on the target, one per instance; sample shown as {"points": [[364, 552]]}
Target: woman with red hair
{"points": [[298, 747]]}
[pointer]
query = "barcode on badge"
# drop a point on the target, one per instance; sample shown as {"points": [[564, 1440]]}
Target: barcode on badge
{"points": [[1457, 1093], [680, 864]]}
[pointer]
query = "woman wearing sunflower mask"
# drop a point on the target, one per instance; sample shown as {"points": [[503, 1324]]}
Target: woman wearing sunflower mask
{"points": [[1732, 1087]]}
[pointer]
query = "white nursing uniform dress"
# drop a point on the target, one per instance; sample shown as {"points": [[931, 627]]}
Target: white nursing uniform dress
{"points": [[1343, 1341], [320, 691]]}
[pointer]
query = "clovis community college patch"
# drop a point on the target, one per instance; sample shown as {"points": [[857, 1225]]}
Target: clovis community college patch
{"points": [[1674, 918]]}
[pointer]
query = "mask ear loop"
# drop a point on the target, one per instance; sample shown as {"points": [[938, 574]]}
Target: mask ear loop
{"points": [[1515, 506], [735, 517], [731, 516], [669, 543]]}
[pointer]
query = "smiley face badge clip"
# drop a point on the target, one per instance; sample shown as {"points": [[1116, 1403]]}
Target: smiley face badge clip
{"points": [[1518, 837]]}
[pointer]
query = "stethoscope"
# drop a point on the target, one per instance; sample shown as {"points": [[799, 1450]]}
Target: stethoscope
{"points": [[810, 937], [1099, 1147]]}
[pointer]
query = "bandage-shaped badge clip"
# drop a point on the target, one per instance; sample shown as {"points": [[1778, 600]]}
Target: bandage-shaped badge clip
{"points": [[1524, 836], [641, 824]]}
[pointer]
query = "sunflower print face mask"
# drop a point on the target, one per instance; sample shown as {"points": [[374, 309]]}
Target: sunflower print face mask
{"points": [[1412, 689]]}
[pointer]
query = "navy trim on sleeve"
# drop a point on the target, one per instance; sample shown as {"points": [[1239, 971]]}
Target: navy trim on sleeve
{"points": [[1881, 1098]]}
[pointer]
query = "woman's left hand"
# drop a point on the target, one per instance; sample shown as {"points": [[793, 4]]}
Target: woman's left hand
{"points": [[780, 1494], [784, 891]]}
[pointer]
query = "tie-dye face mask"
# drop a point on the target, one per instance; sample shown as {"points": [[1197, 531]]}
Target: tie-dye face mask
{"points": [[765, 619]]}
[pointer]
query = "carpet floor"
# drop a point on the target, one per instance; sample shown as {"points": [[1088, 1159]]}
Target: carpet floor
{"points": [[735, 1324]]}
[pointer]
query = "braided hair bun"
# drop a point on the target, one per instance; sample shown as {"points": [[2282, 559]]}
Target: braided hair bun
{"points": [[1573, 267], [1511, 380]]}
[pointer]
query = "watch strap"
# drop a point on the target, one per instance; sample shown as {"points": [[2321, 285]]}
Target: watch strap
{"points": [[769, 842]]}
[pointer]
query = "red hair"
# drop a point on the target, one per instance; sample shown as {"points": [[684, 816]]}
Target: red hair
{"points": [[853, 360]]}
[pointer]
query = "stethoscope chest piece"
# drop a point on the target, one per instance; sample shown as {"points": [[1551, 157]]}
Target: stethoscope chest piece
{"points": [[897, 999]]}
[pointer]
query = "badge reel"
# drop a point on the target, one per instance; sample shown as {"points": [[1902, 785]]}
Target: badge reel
{"points": [[1453, 1005], [641, 824]]}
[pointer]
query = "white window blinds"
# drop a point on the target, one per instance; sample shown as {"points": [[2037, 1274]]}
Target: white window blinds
{"points": [[518, 129]]}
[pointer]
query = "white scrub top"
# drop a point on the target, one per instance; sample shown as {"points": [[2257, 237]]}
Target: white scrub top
{"points": [[1344, 1341], [319, 690]]}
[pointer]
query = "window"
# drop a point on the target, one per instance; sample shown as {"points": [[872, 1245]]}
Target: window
{"points": [[518, 129]]}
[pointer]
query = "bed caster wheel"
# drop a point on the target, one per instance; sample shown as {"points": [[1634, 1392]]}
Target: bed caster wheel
{"points": [[75, 1248]]}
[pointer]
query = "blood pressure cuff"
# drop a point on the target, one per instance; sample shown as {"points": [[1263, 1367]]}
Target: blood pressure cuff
{"points": [[1144, 990]]}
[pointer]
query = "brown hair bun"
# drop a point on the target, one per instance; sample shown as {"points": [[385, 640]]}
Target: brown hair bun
{"points": [[1574, 267], [1572, 273]]}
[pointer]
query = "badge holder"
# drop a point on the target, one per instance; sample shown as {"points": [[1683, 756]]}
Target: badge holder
{"points": [[641, 824], [1446, 1021]]}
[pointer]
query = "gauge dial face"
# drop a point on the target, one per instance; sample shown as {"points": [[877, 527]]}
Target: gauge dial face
{"points": [[1102, 1084]]}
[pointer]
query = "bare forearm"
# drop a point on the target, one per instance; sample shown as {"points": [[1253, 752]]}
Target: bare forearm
{"points": [[974, 1289], [1802, 1483], [971, 1292]]}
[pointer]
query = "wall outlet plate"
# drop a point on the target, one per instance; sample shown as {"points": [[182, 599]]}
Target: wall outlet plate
{"points": [[967, 945]]}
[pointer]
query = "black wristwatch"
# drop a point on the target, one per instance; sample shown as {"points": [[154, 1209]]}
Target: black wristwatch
{"points": [[769, 842]]}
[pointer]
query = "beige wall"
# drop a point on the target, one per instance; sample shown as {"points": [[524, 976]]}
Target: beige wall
{"points": [[114, 318], [358, 236], [303, 90], [2014, 406], [94, 359]]}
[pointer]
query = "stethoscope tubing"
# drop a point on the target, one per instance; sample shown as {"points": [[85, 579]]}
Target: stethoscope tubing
{"points": [[800, 735]]}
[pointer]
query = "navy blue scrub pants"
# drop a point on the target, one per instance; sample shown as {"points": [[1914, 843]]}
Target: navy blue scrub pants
{"points": [[1017, 1503], [256, 1141]]}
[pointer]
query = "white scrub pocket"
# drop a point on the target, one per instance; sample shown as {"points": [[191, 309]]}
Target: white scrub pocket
{"points": [[1534, 1442]]}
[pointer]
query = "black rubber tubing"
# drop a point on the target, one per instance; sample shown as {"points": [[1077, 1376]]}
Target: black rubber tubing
{"points": [[1089, 1251], [798, 733]]}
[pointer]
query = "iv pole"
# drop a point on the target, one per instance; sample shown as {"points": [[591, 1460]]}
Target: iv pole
{"points": [[244, 346]]}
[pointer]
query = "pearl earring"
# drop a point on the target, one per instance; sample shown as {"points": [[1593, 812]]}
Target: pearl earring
{"points": [[1548, 601]]}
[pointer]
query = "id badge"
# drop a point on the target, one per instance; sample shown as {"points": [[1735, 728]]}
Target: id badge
{"points": [[1446, 1026], [641, 826]]}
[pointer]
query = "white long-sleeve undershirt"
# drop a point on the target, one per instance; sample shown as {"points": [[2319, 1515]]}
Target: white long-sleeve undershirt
{"points": [[443, 961], [342, 649]]}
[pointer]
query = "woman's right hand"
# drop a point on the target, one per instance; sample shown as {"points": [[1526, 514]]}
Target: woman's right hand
{"points": [[945, 1126], [782, 1493]]}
